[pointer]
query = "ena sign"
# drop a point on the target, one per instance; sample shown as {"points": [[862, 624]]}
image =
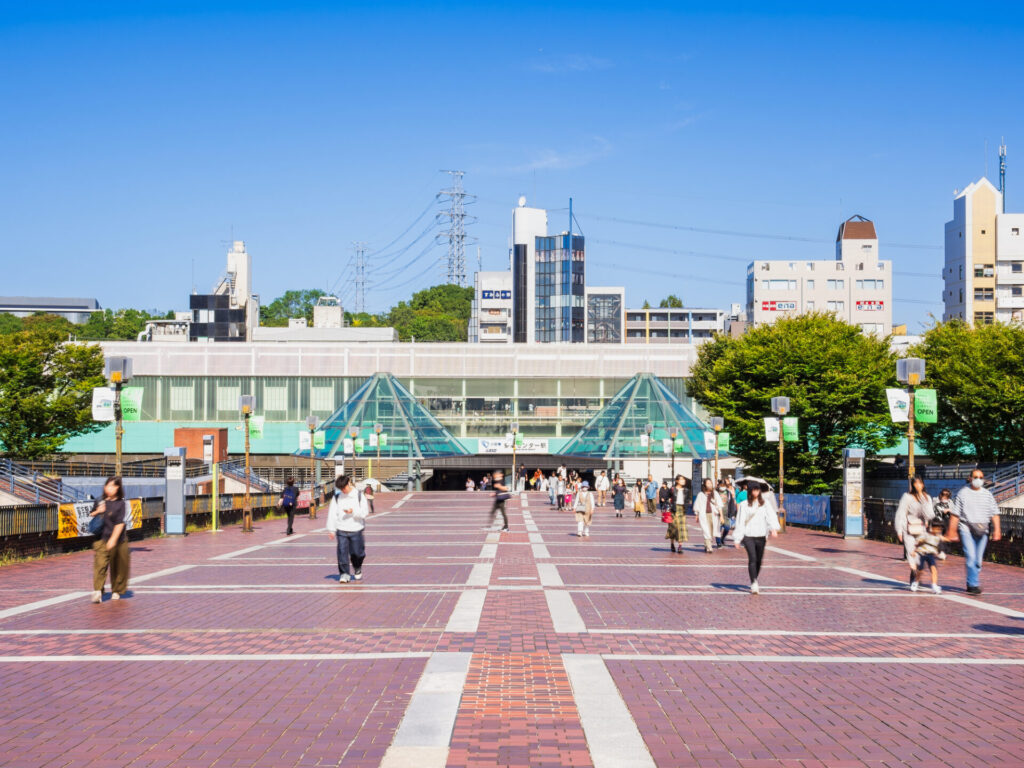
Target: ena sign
{"points": [[778, 306]]}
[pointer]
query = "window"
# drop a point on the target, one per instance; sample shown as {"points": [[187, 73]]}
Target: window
{"points": [[836, 306], [1016, 291], [792, 266], [810, 265], [779, 285], [870, 285], [1015, 231], [984, 318], [810, 285], [227, 396], [840, 266], [983, 231], [984, 270], [984, 294], [275, 398], [837, 285], [810, 306], [182, 397], [1017, 267]]}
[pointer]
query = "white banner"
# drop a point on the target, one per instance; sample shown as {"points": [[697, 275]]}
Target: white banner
{"points": [[349, 446], [899, 404], [666, 445], [644, 441], [373, 440], [305, 440], [504, 445], [709, 441], [102, 404], [771, 429]]}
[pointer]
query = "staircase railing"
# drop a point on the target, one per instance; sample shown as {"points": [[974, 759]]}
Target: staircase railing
{"points": [[1008, 482], [236, 471], [30, 485]]}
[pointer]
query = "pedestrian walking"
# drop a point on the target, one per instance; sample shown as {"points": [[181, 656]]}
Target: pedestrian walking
{"points": [[560, 496], [584, 508], [470, 485], [929, 551], [619, 496], [501, 495], [602, 485], [651, 492], [368, 495], [289, 496], [975, 517], [676, 532], [912, 517], [638, 498], [665, 497], [944, 507], [346, 521], [110, 551], [755, 521], [707, 506], [522, 478]]}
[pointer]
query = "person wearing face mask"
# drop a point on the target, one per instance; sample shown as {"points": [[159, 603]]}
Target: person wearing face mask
{"points": [[974, 515]]}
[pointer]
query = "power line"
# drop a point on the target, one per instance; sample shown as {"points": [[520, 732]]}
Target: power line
{"points": [[456, 232], [360, 277]]}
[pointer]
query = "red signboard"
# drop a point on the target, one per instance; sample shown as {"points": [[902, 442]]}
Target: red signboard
{"points": [[870, 306], [778, 306]]}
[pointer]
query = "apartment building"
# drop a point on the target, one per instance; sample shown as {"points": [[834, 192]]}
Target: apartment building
{"points": [[658, 325]]}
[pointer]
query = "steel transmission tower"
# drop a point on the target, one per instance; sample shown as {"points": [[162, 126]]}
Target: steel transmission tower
{"points": [[360, 276], [456, 232]]}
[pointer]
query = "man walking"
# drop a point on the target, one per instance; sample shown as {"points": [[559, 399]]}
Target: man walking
{"points": [[501, 495], [974, 514], [345, 522], [601, 485], [651, 492]]}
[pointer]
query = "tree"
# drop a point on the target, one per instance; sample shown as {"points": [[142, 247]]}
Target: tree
{"points": [[440, 313], [647, 304], [290, 304], [671, 302], [45, 391], [123, 324], [835, 377], [978, 375]]}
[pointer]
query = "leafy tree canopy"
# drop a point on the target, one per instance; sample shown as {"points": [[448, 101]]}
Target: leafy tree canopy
{"points": [[978, 375], [45, 390], [290, 304], [671, 301], [835, 377], [122, 324]]}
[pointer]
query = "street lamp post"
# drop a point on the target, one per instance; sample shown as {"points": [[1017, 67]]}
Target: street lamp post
{"points": [[246, 404], [377, 429], [780, 407], [353, 432], [910, 371], [312, 422], [649, 429], [515, 478], [717, 422], [673, 434], [118, 370]]}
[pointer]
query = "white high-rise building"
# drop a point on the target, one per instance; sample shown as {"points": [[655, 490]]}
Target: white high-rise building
{"points": [[856, 286], [527, 225], [490, 318], [983, 274]]}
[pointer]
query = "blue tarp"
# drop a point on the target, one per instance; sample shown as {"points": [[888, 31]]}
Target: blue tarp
{"points": [[807, 509]]}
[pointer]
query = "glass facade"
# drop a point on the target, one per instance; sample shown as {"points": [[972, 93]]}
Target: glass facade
{"points": [[604, 318], [555, 406], [618, 430], [560, 288]]}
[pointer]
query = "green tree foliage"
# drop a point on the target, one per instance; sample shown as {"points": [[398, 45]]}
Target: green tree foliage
{"points": [[440, 313], [978, 374], [290, 304], [835, 377], [671, 302], [45, 390], [123, 324]]}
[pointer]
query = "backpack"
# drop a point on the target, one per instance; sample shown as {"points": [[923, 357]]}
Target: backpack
{"points": [[289, 496]]}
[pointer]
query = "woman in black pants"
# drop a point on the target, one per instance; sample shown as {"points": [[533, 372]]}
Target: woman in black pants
{"points": [[755, 520]]}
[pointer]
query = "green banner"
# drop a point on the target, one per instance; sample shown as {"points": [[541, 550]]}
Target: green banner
{"points": [[319, 439], [723, 442], [382, 440], [519, 439], [131, 403], [256, 427], [680, 446], [926, 407], [360, 446], [791, 428]]}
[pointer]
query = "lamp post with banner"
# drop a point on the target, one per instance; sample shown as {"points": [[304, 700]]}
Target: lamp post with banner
{"points": [[648, 429], [118, 371], [353, 433], [514, 426], [312, 422], [780, 407], [910, 371], [717, 423], [377, 429], [246, 404], [673, 434]]}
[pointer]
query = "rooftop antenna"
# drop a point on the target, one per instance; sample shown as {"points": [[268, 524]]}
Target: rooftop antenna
{"points": [[456, 232], [1002, 171]]}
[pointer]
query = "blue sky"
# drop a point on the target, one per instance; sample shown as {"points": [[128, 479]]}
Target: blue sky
{"points": [[138, 138]]}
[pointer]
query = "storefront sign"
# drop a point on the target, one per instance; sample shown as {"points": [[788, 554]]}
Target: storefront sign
{"points": [[778, 306], [870, 306], [523, 445]]}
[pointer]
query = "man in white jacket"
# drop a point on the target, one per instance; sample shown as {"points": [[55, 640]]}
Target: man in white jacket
{"points": [[345, 523]]}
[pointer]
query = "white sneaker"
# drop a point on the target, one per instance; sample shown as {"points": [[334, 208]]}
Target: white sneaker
{"points": [[754, 588], [914, 586], [115, 595], [586, 532], [936, 589], [97, 597], [344, 578], [359, 576]]}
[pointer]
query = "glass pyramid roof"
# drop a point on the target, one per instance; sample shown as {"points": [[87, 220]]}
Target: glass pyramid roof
{"points": [[411, 430], [615, 431]]}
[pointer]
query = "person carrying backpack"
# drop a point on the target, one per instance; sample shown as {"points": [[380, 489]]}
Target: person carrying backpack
{"points": [[289, 497], [346, 519]]}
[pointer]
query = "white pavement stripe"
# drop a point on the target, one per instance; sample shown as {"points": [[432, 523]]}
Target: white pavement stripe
{"points": [[807, 633], [540, 552], [549, 575], [425, 732], [613, 738], [220, 657], [865, 574], [788, 553], [812, 659], [237, 552], [480, 575], [466, 614], [563, 612], [740, 591], [488, 551]]}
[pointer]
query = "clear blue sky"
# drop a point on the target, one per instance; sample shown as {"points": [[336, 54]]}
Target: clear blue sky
{"points": [[137, 137]]}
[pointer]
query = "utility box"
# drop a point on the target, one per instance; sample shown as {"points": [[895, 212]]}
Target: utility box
{"points": [[853, 493], [174, 493]]}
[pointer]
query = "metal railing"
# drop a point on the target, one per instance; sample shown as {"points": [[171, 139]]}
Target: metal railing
{"points": [[33, 486]]}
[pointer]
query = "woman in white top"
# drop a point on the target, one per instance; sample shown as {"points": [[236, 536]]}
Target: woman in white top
{"points": [[912, 517], [584, 508], [707, 506], [755, 520], [345, 522]]}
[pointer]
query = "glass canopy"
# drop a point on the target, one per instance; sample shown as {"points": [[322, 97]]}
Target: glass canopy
{"points": [[409, 429], [615, 432]]}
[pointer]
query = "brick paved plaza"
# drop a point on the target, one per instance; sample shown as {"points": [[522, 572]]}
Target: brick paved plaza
{"points": [[535, 649]]}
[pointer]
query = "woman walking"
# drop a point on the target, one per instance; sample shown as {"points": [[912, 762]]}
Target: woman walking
{"points": [[619, 496], [912, 517], [755, 520], [638, 498], [708, 509], [584, 508], [676, 532], [110, 550], [289, 497], [346, 519]]}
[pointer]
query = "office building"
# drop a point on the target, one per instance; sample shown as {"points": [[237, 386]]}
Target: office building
{"points": [[659, 325], [75, 310], [856, 286], [983, 274], [490, 318], [606, 315], [231, 312], [528, 224]]}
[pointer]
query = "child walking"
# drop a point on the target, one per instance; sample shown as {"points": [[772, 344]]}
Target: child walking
{"points": [[929, 551]]}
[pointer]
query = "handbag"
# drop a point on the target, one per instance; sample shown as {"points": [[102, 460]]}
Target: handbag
{"points": [[977, 529], [96, 525], [666, 517]]}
